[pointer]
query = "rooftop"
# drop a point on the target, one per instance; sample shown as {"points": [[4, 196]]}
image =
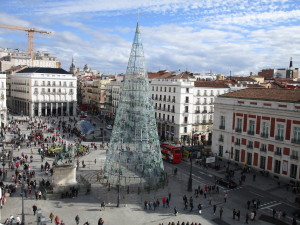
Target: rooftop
{"points": [[213, 84], [44, 70], [280, 95]]}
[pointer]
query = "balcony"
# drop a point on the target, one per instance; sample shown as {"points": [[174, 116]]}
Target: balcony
{"points": [[263, 149], [210, 121], [250, 132], [264, 135], [278, 153], [204, 122], [35, 93], [197, 111], [173, 111], [173, 101], [296, 140], [221, 139], [250, 146], [279, 138], [237, 143], [198, 103], [294, 157], [204, 111], [222, 127], [238, 130]]}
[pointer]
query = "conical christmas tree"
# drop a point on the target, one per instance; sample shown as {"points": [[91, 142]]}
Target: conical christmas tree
{"points": [[134, 155]]}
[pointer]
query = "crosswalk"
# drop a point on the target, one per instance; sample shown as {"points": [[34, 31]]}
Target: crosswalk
{"points": [[269, 204]]}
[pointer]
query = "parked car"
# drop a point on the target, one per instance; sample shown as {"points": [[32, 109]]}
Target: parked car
{"points": [[109, 127], [227, 183]]}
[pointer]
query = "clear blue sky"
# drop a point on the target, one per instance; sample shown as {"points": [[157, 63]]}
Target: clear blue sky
{"points": [[193, 35]]}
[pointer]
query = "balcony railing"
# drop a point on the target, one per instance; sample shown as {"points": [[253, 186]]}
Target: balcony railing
{"points": [[295, 157], [35, 93], [264, 135], [250, 146], [279, 138], [197, 111], [237, 143], [263, 149], [204, 111], [239, 130], [278, 153], [222, 127], [221, 139], [250, 132], [198, 103], [296, 140]]}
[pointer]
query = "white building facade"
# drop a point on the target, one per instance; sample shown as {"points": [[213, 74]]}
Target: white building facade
{"points": [[3, 107], [260, 128], [43, 92]]}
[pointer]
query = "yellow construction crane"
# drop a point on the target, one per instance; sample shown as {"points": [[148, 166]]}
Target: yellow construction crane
{"points": [[30, 34]]}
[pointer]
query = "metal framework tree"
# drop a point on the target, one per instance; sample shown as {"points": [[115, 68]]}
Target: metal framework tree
{"points": [[134, 156]]}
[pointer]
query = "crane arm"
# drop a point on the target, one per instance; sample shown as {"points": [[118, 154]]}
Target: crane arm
{"points": [[24, 29]]}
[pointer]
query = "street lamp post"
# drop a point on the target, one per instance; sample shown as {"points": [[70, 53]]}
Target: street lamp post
{"points": [[190, 181], [3, 165], [23, 214]]}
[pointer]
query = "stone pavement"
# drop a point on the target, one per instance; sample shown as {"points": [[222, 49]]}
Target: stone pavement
{"points": [[131, 211]]}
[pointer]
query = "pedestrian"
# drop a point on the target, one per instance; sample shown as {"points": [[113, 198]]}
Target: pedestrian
{"points": [[215, 208], [233, 214], [200, 208], [225, 197], [274, 213], [18, 220], [175, 211], [62, 223], [238, 214], [100, 221], [34, 209], [247, 217], [252, 216], [77, 219], [56, 220], [51, 216], [294, 221], [248, 204], [95, 161], [221, 212], [254, 176]]}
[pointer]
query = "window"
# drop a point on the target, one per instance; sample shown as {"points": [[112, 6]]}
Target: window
{"points": [[265, 129], [185, 119], [48, 83], [53, 83], [222, 122], [278, 151], [187, 90], [152, 88], [237, 141], [172, 119], [168, 108], [160, 88], [263, 148], [221, 150], [279, 132], [35, 91], [238, 125], [277, 166], [185, 130], [174, 89], [221, 138], [249, 158], [156, 88], [237, 155], [35, 83], [186, 109], [293, 173], [212, 93], [170, 89], [250, 144], [65, 83], [173, 100], [71, 84], [163, 116], [251, 127], [49, 90], [205, 93], [262, 163], [59, 90], [294, 155], [43, 90], [53, 90], [165, 89], [296, 135], [43, 82], [186, 99], [173, 108]]}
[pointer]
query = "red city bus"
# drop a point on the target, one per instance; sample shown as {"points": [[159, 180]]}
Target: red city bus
{"points": [[171, 153]]}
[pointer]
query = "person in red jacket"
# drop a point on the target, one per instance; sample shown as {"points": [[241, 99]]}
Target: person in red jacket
{"points": [[56, 220]]}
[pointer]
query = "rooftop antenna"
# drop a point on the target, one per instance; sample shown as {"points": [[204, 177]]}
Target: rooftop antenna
{"points": [[230, 73]]}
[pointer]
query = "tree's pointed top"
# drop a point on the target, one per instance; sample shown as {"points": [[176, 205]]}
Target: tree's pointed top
{"points": [[136, 64]]}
